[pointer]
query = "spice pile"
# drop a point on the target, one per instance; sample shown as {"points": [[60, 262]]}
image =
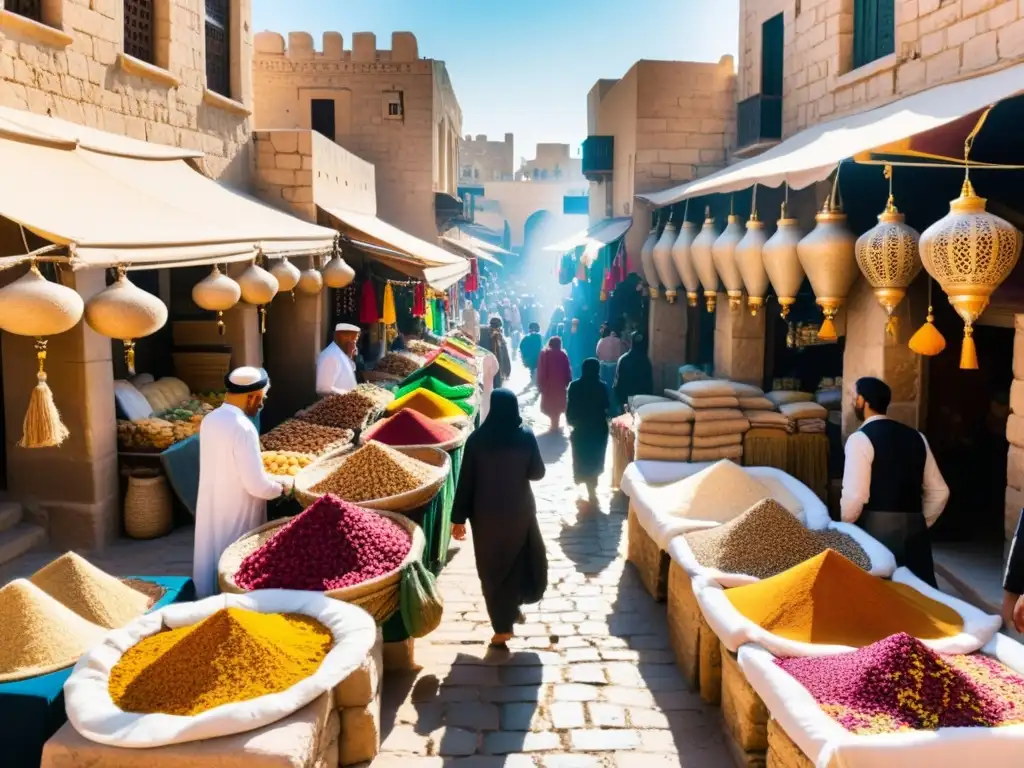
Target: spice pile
{"points": [[396, 364], [348, 411], [767, 540], [298, 436], [438, 387], [285, 463], [94, 595], [408, 427], [379, 395], [899, 684], [332, 545], [427, 403], [421, 348], [829, 600], [234, 655], [376, 471]]}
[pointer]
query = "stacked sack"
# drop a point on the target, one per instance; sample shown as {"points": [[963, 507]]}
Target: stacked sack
{"points": [[718, 422], [760, 411], [800, 409], [663, 431]]}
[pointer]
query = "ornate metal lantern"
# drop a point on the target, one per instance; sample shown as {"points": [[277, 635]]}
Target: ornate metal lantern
{"points": [[724, 254], [663, 266], [750, 263], [683, 260], [647, 262], [781, 262], [704, 260], [827, 256]]}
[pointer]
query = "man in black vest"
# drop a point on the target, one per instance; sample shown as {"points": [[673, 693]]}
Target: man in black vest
{"points": [[892, 487]]}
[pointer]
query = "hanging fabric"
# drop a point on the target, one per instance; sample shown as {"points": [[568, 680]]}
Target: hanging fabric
{"points": [[388, 315], [472, 282], [428, 315], [368, 304], [419, 302]]}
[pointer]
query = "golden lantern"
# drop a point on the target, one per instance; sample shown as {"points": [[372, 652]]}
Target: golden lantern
{"points": [[781, 262], [888, 258], [751, 264], [311, 282], [124, 311], [704, 260], [647, 262], [827, 254], [216, 293], [259, 288], [724, 254], [969, 252], [662, 257], [682, 258]]}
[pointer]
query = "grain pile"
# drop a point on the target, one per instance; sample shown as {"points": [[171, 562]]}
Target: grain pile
{"points": [[234, 655], [428, 403], [94, 595], [285, 463], [348, 411], [379, 395], [397, 364], [297, 436], [766, 540], [376, 471], [40, 634]]}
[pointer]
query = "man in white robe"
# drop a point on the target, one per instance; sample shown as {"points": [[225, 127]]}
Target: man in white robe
{"points": [[233, 487], [336, 367]]}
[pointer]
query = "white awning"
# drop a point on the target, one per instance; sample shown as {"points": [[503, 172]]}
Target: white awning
{"points": [[471, 246], [813, 154], [114, 200], [596, 237], [474, 230]]}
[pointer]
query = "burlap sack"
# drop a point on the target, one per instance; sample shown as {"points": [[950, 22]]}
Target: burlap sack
{"points": [[757, 403], [1014, 504], [655, 453], [729, 427], [663, 441], [768, 419], [708, 388], [717, 441], [1017, 397], [717, 414], [716, 454], [1015, 430], [801, 411], [1015, 468], [707, 403], [664, 428], [781, 396], [746, 390], [667, 411]]}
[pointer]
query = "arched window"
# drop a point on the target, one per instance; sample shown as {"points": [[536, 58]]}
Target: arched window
{"points": [[138, 29], [218, 47]]}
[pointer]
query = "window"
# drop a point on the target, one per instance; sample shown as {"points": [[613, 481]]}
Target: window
{"points": [[321, 118], [476, 173], [773, 34], [467, 172], [394, 105], [874, 30], [218, 48], [30, 9], [138, 29]]}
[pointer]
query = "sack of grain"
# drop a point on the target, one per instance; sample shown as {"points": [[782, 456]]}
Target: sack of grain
{"points": [[738, 426], [665, 411], [832, 399], [663, 441], [768, 419], [717, 454], [717, 441], [708, 388], [705, 403], [746, 390], [717, 414], [756, 403], [804, 410], [656, 453], [782, 396], [811, 426], [1015, 430], [1015, 467], [664, 428], [636, 402]]}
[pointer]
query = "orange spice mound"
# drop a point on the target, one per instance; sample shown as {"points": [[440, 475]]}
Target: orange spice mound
{"points": [[829, 600]]}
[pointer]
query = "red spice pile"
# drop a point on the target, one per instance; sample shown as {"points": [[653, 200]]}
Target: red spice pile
{"points": [[332, 545], [409, 427]]}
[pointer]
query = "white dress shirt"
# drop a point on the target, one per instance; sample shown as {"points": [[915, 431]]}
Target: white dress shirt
{"points": [[335, 371], [857, 479]]}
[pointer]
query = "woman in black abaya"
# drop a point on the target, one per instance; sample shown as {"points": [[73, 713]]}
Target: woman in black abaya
{"points": [[494, 496]]}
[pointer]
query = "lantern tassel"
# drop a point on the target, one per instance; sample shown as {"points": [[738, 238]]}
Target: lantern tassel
{"points": [[220, 323], [263, 318], [129, 355], [827, 331], [42, 427], [891, 325], [968, 351]]}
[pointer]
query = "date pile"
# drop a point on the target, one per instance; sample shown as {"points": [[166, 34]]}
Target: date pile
{"points": [[348, 411], [376, 471], [295, 436], [397, 364]]}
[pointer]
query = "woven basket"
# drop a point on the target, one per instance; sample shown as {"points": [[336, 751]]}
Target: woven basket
{"points": [[379, 597], [684, 624], [319, 470], [650, 562], [782, 752], [148, 510], [202, 371], [743, 711]]}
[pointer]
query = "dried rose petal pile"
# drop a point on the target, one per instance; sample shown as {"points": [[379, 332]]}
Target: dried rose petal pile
{"points": [[899, 684], [332, 545]]}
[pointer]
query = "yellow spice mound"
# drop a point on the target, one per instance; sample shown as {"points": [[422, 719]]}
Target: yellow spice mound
{"points": [[91, 593], [428, 403], [39, 634], [233, 655], [829, 600]]}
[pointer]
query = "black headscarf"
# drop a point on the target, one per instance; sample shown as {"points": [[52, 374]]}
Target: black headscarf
{"points": [[591, 370], [634, 374], [588, 401], [503, 425]]}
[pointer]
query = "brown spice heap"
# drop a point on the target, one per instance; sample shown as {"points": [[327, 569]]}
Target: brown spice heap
{"points": [[397, 364], [767, 540], [376, 471], [92, 594], [234, 655], [304, 437], [348, 411]]}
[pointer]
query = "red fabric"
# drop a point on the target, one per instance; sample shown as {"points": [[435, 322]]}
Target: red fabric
{"points": [[554, 374], [419, 301], [368, 313], [473, 278]]}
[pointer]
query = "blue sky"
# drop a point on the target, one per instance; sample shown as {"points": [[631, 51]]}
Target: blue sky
{"points": [[524, 66]]}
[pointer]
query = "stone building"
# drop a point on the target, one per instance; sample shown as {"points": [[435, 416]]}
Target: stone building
{"points": [[392, 108], [481, 159], [553, 162]]}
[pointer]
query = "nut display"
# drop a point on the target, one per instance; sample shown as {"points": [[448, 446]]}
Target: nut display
{"points": [[376, 471], [154, 434], [397, 364], [348, 411], [302, 437], [421, 348], [379, 395], [285, 463]]}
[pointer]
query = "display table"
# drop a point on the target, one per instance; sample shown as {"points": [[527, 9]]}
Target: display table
{"points": [[32, 710]]}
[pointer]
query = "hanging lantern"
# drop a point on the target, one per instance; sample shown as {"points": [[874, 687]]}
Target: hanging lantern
{"points": [[704, 260], [683, 260], [126, 312], [33, 306], [337, 272], [647, 262], [970, 252], [287, 276], [663, 265], [311, 282], [724, 254], [888, 258], [827, 256], [781, 262], [259, 288], [750, 263], [216, 293]]}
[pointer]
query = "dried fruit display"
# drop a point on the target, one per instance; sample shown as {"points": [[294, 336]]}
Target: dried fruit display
{"points": [[285, 463], [351, 410], [376, 471], [421, 348], [153, 434], [298, 436], [397, 364], [379, 395]]}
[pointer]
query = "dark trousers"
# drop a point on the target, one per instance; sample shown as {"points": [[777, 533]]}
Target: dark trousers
{"points": [[905, 534]]}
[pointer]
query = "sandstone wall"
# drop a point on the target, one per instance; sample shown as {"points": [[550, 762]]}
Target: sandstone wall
{"points": [[481, 159]]}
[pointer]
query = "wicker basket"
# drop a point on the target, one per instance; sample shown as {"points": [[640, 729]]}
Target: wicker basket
{"points": [[782, 752], [148, 511], [202, 371], [319, 470], [684, 624], [745, 716], [650, 562], [378, 597]]}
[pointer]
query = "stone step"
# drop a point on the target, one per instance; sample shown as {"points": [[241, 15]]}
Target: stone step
{"points": [[20, 539], [11, 514]]}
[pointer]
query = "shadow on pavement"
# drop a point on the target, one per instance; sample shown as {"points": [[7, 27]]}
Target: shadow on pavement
{"points": [[553, 445]]}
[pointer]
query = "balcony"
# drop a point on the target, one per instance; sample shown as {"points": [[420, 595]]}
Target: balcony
{"points": [[759, 124], [598, 157]]}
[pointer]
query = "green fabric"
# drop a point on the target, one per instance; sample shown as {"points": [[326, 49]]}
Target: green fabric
{"points": [[438, 387]]}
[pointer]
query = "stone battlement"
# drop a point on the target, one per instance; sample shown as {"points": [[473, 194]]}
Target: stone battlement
{"points": [[300, 47]]}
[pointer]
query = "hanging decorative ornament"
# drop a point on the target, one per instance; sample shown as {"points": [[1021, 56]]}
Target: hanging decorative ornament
{"points": [[259, 288], [311, 282], [749, 260], [216, 293], [888, 257], [647, 262], [724, 254], [827, 256], [781, 261], [337, 272], [34, 306], [663, 266], [927, 340], [124, 311], [704, 260], [287, 276], [683, 258]]}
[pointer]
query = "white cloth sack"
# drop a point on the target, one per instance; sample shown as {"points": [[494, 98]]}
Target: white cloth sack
{"points": [[95, 716], [828, 745], [782, 396], [664, 411], [734, 629], [883, 562], [648, 486], [801, 411], [709, 388], [756, 403], [133, 404]]}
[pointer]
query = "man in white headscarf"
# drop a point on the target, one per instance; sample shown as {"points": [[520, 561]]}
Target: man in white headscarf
{"points": [[233, 487], [336, 367]]}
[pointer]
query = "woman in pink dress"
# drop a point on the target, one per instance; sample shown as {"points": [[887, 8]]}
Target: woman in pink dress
{"points": [[554, 374]]}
